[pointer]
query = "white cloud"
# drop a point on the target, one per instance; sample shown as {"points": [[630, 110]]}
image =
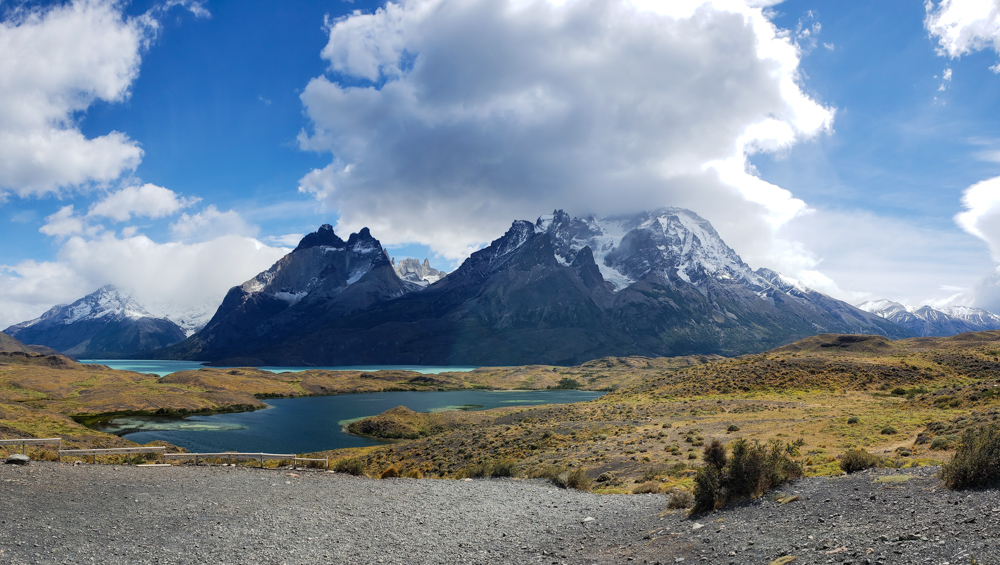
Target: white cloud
{"points": [[194, 6], [871, 256], [64, 223], [55, 63], [964, 26], [287, 240], [210, 223], [479, 112], [175, 276], [981, 217], [148, 201]]}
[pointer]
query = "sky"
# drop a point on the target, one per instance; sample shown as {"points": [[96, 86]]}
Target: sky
{"points": [[176, 148]]}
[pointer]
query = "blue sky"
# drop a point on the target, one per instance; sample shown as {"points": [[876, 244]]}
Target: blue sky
{"points": [[437, 122]]}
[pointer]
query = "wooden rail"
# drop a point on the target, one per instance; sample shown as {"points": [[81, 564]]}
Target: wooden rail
{"points": [[112, 451], [32, 441], [230, 456]]}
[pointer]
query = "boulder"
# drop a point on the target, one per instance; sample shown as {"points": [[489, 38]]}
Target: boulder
{"points": [[18, 459]]}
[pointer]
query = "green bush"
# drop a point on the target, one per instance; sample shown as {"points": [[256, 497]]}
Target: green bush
{"points": [[751, 470], [733, 428], [976, 462], [889, 430], [350, 466], [941, 442], [853, 420], [854, 460], [715, 454]]}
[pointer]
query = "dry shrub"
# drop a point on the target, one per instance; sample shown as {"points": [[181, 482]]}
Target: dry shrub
{"points": [[413, 474], [678, 498], [648, 487], [752, 469], [350, 466], [854, 460], [976, 462], [390, 472]]}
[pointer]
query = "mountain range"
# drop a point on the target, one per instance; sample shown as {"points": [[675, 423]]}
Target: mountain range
{"points": [[560, 290], [105, 324], [926, 321]]}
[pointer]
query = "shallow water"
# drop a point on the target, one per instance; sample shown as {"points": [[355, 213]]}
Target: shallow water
{"points": [[163, 367], [303, 425]]}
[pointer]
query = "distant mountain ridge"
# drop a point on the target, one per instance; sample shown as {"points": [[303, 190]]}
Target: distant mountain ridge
{"points": [[412, 270], [926, 321], [560, 290], [107, 323]]}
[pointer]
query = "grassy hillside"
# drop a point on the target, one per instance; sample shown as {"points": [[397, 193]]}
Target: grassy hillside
{"points": [[905, 400]]}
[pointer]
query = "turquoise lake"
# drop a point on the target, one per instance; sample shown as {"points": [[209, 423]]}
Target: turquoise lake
{"points": [[303, 425], [164, 368]]}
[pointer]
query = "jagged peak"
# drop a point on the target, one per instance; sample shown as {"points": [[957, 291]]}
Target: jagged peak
{"points": [[324, 236]]}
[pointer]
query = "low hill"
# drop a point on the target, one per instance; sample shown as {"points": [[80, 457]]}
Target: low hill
{"points": [[10, 344]]}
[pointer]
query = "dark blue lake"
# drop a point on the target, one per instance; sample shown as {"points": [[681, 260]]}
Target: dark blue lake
{"points": [[303, 425]]}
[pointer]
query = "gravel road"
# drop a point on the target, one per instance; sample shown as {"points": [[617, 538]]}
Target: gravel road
{"points": [[51, 513]]}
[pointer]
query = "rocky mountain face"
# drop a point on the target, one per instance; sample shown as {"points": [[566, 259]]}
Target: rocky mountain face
{"points": [[321, 281], [105, 324], [560, 290], [925, 321], [412, 270]]}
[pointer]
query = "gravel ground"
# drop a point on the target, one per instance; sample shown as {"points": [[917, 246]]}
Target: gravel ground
{"points": [[51, 513]]}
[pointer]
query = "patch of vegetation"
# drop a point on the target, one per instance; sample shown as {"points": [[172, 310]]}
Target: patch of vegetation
{"points": [[854, 460], [976, 462], [567, 383], [350, 466], [751, 470]]}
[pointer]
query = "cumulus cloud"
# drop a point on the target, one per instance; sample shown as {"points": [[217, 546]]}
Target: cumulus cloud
{"points": [[964, 26], [148, 201], [447, 119], [64, 223], [55, 63], [981, 217], [165, 277], [210, 223]]}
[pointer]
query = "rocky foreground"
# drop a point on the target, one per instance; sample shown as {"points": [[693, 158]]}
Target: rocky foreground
{"points": [[51, 513]]}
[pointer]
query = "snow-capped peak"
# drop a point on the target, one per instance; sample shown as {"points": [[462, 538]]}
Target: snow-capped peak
{"points": [[107, 303], [672, 242]]}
